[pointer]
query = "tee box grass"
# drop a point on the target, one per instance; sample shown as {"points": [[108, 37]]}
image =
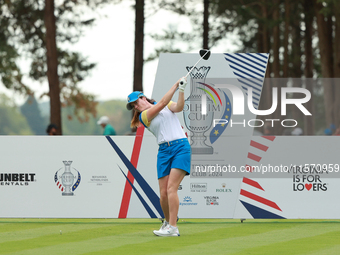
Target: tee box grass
{"points": [[198, 236]]}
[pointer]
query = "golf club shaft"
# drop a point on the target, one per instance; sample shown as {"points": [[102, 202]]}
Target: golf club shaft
{"points": [[196, 64]]}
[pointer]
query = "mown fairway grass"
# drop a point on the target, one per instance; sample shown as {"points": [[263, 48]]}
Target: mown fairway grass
{"points": [[198, 236]]}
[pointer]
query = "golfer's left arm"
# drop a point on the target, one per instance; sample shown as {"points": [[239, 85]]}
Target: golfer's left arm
{"points": [[178, 107]]}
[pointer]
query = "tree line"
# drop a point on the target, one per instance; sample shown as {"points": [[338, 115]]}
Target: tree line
{"points": [[301, 37], [32, 118]]}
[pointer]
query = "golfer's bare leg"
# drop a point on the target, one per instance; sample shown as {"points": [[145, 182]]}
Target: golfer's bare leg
{"points": [[175, 178], [163, 190]]}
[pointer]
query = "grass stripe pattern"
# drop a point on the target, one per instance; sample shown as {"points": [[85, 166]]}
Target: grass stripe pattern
{"points": [[198, 236]]}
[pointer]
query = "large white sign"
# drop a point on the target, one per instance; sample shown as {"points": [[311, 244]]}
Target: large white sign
{"points": [[234, 174], [85, 177]]}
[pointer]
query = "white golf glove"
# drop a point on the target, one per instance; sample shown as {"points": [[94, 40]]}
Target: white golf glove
{"points": [[182, 84]]}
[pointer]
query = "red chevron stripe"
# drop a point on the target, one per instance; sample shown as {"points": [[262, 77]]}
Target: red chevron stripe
{"points": [[249, 168], [254, 157], [260, 199], [124, 206], [252, 183], [271, 138], [258, 146]]}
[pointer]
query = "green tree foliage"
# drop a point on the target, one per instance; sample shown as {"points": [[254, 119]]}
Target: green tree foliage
{"points": [[9, 71], [301, 36], [170, 39], [12, 122], [118, 114], [22, 29], [115, 109], [31, 111], [171, 42], [73, 126]]}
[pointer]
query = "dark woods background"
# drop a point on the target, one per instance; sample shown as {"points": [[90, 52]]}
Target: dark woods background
{"points": [[300, 36]]}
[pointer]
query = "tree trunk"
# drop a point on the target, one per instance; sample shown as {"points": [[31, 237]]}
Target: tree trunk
{"points": [[325, 42], [263, 47], [278, 129], [296, 71], [296, 54], [276, 40], [139, 47], [286, 39], [265, 35], [259, 38], [325, 47], [309, 120], [52, 65], [337, 64], [206, 24]]}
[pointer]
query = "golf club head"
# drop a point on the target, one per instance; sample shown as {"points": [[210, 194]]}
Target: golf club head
{"points": [[205, 54]]}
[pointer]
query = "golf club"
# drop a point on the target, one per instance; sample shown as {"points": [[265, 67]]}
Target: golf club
{"points": [[205, 54]]}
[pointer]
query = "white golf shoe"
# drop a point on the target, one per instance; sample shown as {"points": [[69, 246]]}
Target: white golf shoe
{"points": [[164, 225], [168, 230]]}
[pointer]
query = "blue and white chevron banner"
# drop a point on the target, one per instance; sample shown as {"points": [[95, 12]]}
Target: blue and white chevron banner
{"points": [[250, 69]]}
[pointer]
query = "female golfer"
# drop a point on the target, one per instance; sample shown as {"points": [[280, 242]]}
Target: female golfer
{"points": [[174, 153]]}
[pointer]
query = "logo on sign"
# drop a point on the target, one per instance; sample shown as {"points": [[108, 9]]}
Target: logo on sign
{"points": [[211, 200], [308, 182], [67, 179], [16, 179], [204, 104], [187, 201], [223, 189], [198, 187], [308, 178]]}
